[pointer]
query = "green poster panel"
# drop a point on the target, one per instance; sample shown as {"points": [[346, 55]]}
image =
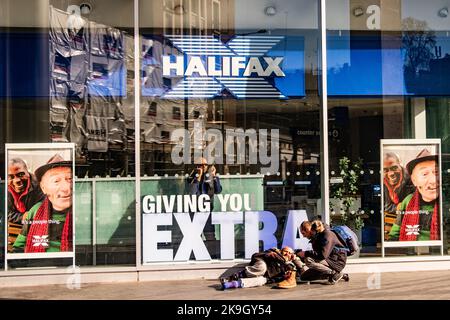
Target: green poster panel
{"points": [[115, 204], [163, 186], [253, 186], [230, 184], [83, 213]]}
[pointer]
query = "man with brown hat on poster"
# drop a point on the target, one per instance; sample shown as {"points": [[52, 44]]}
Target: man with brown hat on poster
{"points": [[418, 214], [48, 225]]}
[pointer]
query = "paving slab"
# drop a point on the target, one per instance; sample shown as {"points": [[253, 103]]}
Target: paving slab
{"points": [[429, 285]]}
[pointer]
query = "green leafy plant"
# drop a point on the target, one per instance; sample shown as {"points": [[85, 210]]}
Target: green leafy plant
{"points": [[347, 192]]}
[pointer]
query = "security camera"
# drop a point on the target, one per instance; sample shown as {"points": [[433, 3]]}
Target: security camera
{"points": [[85, 8]]}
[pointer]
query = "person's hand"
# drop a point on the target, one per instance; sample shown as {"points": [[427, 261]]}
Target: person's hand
{"points": [[199, 173], [213, 171]]}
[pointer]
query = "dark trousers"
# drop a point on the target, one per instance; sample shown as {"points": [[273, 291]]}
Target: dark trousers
{"points": [[316, 270]]}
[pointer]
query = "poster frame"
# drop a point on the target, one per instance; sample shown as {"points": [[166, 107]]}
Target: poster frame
{"points": [[43, 255], [398, 244]]}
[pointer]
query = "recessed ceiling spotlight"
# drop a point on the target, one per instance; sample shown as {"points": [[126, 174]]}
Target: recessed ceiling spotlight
{"points": [[358, 11], [179, 9], [270, 11], [443, 13], [85, 8]]}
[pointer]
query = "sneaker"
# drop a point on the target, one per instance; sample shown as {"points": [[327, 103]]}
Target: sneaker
{"points": [[222, 282], [335, 277]]}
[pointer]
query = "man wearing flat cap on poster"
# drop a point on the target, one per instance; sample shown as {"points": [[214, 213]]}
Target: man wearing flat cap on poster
{"points": [[48, 224], [418, 214]]}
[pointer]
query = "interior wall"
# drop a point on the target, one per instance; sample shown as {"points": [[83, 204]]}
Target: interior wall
{"points": [[24, 13], [291, 14], [116, 13]]}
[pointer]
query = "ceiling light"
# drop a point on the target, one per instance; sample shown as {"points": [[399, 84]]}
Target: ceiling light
{"points": [[85, 8], [358, 11], [443, 13], [270, 11], [179, 9]]}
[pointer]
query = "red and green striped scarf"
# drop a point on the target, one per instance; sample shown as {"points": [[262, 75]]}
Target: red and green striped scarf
{"points": [[413, 218], [41, 229]]}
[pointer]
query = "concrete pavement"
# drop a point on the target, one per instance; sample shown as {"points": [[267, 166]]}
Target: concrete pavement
{"points": [[428, 285]]}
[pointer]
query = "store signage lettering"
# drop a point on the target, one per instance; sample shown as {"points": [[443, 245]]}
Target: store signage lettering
{"points": [[193, 203], [242, 66], [231, 66], [160, 211]]}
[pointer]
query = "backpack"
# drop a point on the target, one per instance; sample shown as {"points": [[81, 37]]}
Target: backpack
{"points": [[347, 236]]}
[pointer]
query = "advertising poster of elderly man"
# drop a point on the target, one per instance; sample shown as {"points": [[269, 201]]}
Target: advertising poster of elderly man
{"points": [[43, 202], [411, 192]]}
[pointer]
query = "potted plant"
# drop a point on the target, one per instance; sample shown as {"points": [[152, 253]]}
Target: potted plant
{"points": [[345, 200]]}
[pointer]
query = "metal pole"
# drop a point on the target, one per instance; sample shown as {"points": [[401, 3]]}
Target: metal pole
{"points": [[94, 223], [440, 198], [137, 130], [325, 183]]}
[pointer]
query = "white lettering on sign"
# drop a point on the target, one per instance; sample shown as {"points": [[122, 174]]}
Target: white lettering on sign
{"points": [[254, 234], [184, 203], [208, 68], [259, 226], [294, 220], [193, 203], [192, 241], [178, 65], [151, 236], [227, 221]]}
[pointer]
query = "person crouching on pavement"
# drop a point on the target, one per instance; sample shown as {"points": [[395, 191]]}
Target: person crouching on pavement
{"points": [[271, 265], [326, 260]]}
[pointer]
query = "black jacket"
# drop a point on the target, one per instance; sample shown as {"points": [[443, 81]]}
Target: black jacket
{"points": [[326, 247], [33, 196], [276, 264]]}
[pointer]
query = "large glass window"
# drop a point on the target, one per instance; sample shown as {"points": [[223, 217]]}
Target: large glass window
{"points": [[229, 132], [242, 89], [386, 80], [68, 76]]}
